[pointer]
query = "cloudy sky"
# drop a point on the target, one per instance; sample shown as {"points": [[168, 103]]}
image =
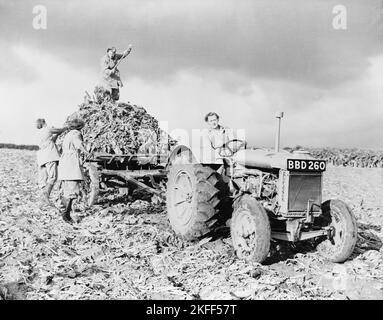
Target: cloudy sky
{"points": [[243, 59]]}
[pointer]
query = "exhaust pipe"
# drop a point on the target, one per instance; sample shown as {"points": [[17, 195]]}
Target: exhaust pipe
{"points": [[279, 116]]}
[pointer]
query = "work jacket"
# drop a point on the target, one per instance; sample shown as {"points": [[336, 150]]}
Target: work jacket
{"points": [[70, 167], [212, 141], [216, 138], [47, 148], [110, 79]]}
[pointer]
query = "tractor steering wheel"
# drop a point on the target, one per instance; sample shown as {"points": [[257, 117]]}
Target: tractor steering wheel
{"points": [[226, 151]]}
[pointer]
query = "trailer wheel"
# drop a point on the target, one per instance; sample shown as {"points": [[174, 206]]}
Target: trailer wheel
{"points": [[194, 197], [250, 230], [92, 183], [337, 215]]}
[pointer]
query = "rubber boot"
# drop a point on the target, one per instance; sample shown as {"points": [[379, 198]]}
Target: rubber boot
{"points": [[115, 94], [41, 199], [67, 203], [47, 193], [44, 198]]}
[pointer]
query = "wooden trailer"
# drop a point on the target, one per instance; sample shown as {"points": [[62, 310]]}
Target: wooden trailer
{"points": [[125, 172]]}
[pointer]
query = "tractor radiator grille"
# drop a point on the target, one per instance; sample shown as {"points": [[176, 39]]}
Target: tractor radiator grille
{"points": [[302, 188]]}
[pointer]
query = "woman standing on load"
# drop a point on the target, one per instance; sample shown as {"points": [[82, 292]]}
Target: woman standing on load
{"points": [[70, 170]]}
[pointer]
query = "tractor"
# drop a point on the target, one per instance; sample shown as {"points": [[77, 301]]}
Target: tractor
{"points": [[262, 194]]}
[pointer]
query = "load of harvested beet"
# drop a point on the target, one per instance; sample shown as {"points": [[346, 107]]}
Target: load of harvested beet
{"points": [[118, 127]]}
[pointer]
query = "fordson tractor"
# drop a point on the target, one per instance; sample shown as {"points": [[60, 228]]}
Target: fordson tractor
{"points": [[262, 194]]}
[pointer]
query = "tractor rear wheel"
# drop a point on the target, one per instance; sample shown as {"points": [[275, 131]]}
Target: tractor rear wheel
{"points": [[250, 230], [337, 215], [195, 194]]}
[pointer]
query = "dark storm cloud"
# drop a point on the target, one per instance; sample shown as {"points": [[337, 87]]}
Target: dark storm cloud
{"points": [[286, 40]]}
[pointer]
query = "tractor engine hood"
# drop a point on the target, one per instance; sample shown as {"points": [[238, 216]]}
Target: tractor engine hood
{"points": [[267, 159]]}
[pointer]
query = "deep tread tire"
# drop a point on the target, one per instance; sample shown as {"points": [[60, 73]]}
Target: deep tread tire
{"points": [[205, 192], [337, 214], [250, 230]]}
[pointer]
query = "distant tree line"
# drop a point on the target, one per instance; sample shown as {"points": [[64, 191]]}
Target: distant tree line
{"points": [[351, 157], [347, 157], [18, 146]]}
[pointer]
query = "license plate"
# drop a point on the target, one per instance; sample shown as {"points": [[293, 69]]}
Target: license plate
{"points": [[306, 165]]}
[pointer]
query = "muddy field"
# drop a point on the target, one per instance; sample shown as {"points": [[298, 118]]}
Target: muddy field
{"points": [[126, 250]]}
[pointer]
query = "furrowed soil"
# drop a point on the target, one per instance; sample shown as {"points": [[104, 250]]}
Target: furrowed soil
{"points": [[127, 250]]}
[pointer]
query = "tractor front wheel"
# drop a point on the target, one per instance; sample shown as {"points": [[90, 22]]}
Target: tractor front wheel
{"points": [[250, 230], [343, 231]]}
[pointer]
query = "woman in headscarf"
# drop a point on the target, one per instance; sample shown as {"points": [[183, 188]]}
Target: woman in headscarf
{"points": [[70, 170]]}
